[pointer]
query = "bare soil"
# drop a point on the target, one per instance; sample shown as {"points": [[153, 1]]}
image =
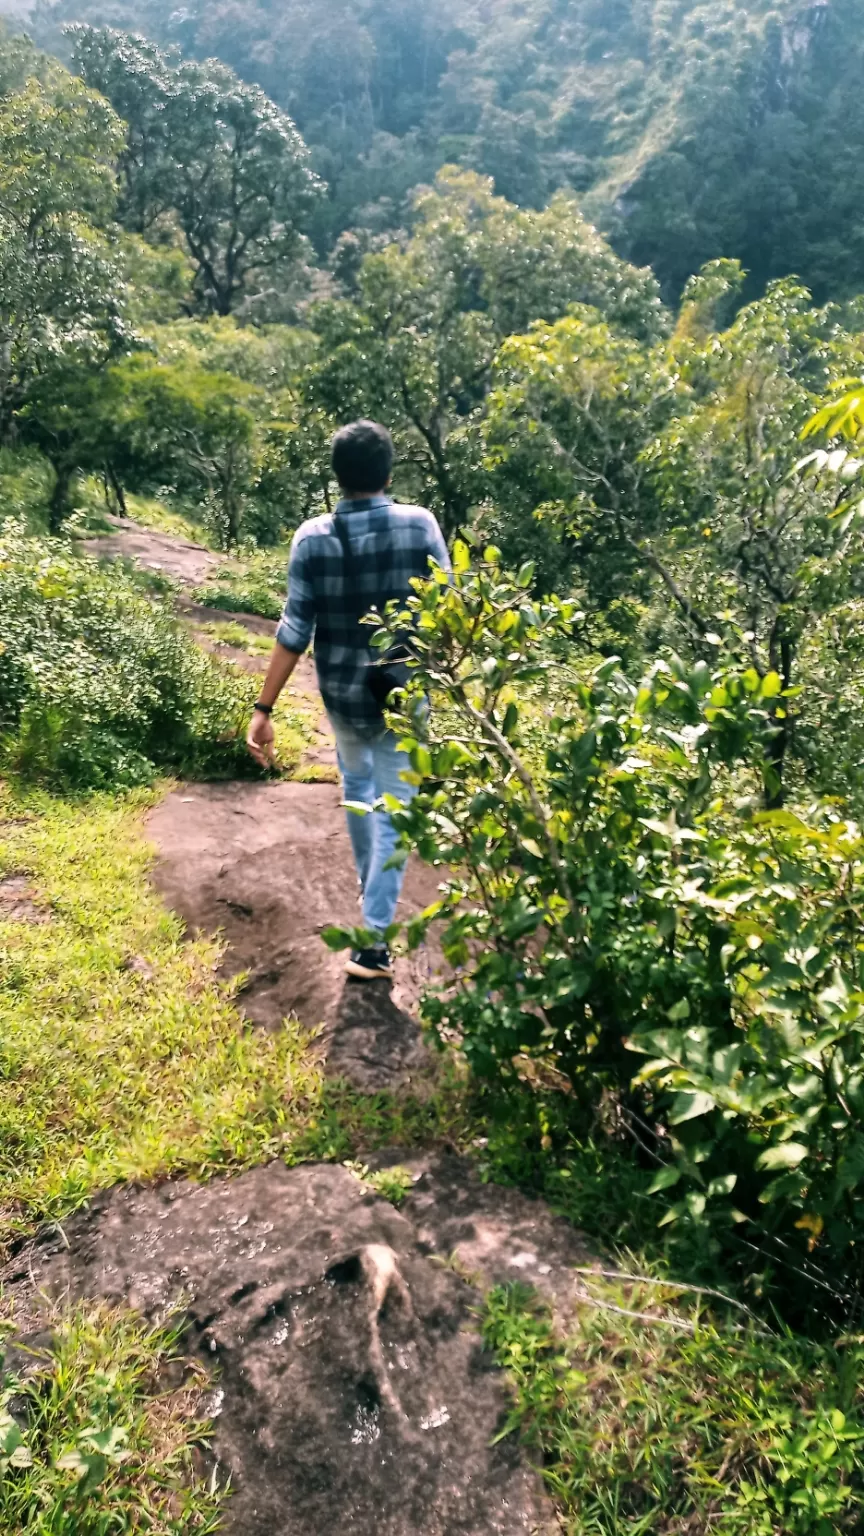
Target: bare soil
{"points": [[163, 552]]}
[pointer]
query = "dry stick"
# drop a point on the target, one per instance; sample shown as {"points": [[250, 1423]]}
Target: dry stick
{"points": [[672, 1285], [639, 1317]]}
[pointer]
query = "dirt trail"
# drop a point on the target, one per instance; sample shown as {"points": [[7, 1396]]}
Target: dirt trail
{"points": [[165, 552], [353, 1392]]}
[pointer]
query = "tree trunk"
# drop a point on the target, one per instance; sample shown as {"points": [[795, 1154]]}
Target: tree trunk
{"points": [[119, 493], [782, 658], [58, 506]]}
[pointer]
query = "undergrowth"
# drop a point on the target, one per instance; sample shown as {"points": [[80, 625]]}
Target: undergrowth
{"points": [[95, 1440], [674, 1423], [254, 582]]}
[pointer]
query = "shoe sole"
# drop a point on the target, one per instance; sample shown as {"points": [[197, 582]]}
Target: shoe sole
{"points": [[366, 973]]}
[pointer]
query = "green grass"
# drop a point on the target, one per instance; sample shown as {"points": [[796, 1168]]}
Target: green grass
{"points": [[122, 1056], [240, 639], [712, 1426], [95, 1440], [251, 583]]}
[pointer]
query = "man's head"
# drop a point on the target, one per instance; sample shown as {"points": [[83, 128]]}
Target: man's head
{"points": [[362, 458]]}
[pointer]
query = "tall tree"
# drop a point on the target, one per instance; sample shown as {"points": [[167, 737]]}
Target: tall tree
{"points": [[61, 288], [213, 153], [417, 345]]}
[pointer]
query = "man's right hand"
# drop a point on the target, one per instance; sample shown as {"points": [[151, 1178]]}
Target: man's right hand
{"points": [[260, 738]]}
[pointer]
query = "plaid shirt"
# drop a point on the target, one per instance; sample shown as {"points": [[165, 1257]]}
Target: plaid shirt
{"points": [[389, 545]]}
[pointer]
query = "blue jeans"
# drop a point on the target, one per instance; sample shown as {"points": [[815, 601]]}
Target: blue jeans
{"points": [[371, 769]]}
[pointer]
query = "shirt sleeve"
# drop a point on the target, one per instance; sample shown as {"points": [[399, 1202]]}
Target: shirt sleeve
{"points": [[298, 618], [437, 548]]}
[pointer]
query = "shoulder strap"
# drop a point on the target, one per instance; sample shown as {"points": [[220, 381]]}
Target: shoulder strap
{"points": [[353, 600]]}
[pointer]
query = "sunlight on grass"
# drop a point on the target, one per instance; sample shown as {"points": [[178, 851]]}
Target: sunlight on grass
{"points": [[122, 1056]]}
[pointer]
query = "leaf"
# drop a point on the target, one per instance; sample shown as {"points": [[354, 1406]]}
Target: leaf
{"points": [[664, 1179], [787, 1155], [688, 1106], [723, 1185], [679, 1010], [337, 938], [461, 556]]}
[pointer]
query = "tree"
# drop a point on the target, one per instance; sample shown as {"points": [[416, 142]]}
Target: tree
{"points": [[677, 467], [213, 153], [168, 419], [61, 286], [417, 346]]}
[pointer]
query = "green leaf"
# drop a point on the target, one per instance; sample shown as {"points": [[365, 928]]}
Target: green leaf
{"points": [[723, 1185], [461, 557], [787, 1155], [337, 938], [664, 1179], [688, 1106], [679, 1011]]}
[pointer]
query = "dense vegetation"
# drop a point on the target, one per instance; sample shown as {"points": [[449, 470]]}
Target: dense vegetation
{"points": [[643, 775], [695, 130]]}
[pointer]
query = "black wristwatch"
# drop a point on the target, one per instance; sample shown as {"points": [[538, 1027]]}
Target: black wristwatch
{"points": [[264, 709]]}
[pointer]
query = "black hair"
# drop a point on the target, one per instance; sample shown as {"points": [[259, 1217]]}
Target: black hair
{"points": [[362, 457]]}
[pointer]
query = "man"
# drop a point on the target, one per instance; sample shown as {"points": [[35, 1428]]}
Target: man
{"points": [[343, 564]]}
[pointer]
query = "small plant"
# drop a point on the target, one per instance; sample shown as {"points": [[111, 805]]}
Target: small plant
{"points": [[90, 1441], [391, 1184], [240, 639]]}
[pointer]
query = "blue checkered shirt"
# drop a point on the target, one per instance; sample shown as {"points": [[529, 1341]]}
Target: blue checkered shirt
{"points": [[389, 545]]}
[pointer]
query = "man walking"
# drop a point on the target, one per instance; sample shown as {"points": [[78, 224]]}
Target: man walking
{"points": [[342, 564]]}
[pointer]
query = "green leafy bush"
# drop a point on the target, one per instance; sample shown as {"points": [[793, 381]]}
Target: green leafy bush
{"points": [[616, 887], [99, 684]]}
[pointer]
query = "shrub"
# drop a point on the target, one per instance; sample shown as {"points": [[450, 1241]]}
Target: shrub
{"points": [[99, 684], [254, 585], [615, 888]]}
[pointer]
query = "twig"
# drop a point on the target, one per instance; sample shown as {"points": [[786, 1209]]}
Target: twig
{"points": [[672, 1285], [639, 1317]]}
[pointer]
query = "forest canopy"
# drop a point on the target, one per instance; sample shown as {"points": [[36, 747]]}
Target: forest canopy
{"points": [[689, 131]]}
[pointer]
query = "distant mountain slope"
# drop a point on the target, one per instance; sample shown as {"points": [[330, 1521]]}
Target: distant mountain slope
{"points": [[690, 130]]}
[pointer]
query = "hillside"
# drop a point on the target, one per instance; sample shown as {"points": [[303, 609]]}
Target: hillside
{"points": [[689, 130]]}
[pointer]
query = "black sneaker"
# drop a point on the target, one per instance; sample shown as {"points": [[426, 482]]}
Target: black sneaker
{"points": [[370, 964]]}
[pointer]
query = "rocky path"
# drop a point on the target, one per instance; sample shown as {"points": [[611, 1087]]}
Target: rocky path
{"points": [[351, 1390]]}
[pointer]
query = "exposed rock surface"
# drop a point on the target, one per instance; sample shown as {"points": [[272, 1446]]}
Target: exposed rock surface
{"points": [[351, 1390], [154, 551], [270, 865]]}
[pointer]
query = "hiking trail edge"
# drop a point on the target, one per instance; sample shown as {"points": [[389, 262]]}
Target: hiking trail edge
{"points": [[351, 1391]]}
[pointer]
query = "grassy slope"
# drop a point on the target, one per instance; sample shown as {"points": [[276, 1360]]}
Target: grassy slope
{"points": [[122, 1054]]}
